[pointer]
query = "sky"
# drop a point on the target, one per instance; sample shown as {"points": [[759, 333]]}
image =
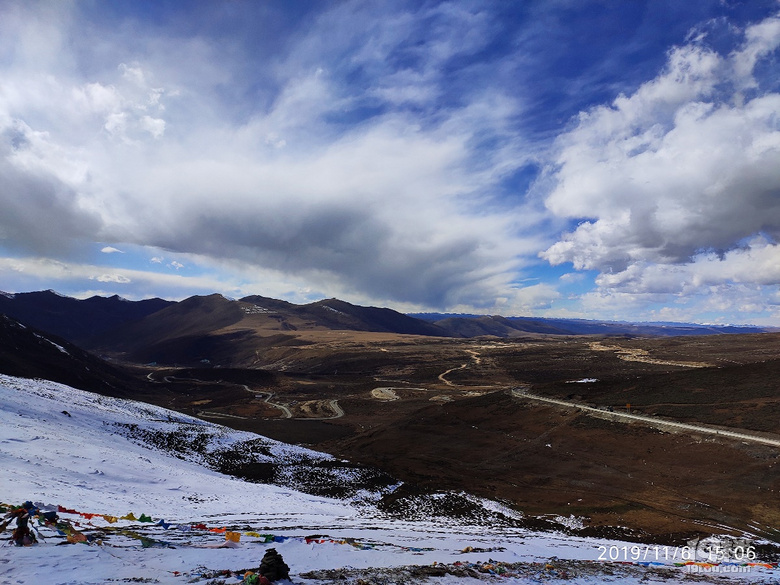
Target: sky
{"points": [[560, 158]]}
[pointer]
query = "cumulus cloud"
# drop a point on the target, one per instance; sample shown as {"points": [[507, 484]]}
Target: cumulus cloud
{"points": [[677, 186], [757, 261]]}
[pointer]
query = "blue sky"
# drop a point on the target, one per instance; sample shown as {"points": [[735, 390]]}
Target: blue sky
{"points": [[571, 158]]}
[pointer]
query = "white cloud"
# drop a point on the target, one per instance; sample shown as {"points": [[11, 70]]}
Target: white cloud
{"points": [[133, 73], [154, 126], [531, 299], [111, 250], [756, 262], [673, 184], [115, 278], [572, 277], [37, 272], [761, 40]]}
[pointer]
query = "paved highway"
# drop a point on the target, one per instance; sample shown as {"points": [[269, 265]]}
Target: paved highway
{"points": [[648, 420]]}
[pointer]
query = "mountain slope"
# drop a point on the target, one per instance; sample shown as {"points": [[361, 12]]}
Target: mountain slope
{"points": [[467, 325], [73, 319], [336, 314], [553, 459], [191, 318], [219, 331], [30, 353], [496, 325]]}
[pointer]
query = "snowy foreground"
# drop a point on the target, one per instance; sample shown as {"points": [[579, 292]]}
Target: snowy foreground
{"points": [[71, 450]]}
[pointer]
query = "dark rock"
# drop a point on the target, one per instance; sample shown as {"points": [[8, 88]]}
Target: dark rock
{"points": [[273, 567]]}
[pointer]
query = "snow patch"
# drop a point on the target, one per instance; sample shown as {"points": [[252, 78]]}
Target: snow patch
{"points": [[570, 521], [59, 347]]}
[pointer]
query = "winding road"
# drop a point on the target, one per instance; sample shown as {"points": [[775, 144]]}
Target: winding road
{"points": [[267, 400], [474, 356], [338, 411], [443, 374]]}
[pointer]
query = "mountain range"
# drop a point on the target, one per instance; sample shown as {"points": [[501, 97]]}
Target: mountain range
{"points": [[465, 325], [161, 330]]}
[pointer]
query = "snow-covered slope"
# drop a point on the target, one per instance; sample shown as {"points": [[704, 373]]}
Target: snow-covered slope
{"points": [[72, 447], [100, 458]]}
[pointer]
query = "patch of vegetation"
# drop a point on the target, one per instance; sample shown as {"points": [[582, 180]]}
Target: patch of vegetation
{"points": [[179, 443]]}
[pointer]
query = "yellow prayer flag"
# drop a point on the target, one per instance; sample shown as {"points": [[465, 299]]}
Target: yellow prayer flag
{"points": [[232, 536], [76, 537]]}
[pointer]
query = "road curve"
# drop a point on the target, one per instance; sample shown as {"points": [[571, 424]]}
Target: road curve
{"points": [[649, 420], [443, 375], [339, 412], [474, 356], [267, 400]]}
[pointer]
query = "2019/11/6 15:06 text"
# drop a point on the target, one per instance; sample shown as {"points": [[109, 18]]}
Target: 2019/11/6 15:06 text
{"points": [[709, 553]]}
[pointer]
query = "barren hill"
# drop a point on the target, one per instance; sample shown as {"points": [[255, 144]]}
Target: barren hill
{"points": [[498, 326], [229, 333]]}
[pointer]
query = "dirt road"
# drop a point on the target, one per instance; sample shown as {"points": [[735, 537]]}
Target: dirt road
{"points": [[474, 356], [642, 355], [443, 375]]}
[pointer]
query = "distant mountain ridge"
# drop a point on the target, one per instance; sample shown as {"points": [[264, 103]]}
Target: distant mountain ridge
{"points": [[336, 314], [218, 330], [468, 325]]}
